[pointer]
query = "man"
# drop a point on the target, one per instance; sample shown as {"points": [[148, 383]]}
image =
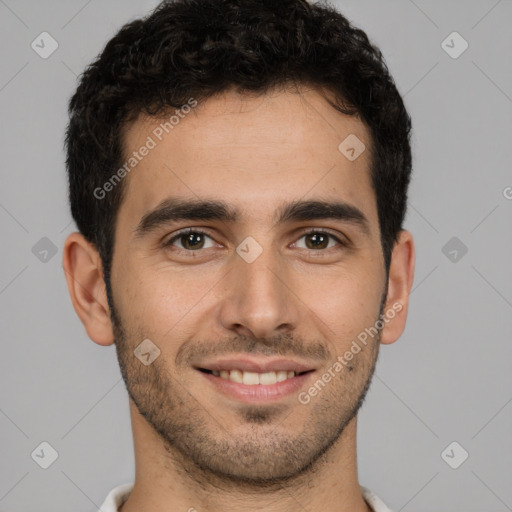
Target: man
{"points": [[238, 172]]}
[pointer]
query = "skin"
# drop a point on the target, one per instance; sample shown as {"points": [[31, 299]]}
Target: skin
{"points": [[195, 447]]}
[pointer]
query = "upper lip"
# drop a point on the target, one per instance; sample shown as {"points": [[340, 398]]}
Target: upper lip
{"points": [[256, 365]]}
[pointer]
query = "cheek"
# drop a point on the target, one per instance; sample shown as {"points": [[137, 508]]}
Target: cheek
{"points": [[344, 305], [162, 302]]}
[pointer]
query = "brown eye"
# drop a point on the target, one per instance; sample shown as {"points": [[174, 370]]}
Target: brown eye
{"points": [[191, 240], [317, 240]]}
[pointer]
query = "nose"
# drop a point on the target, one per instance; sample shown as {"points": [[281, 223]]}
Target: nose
{"points": [[258, 298]]}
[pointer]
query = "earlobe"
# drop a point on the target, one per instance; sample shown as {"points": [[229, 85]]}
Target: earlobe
{"points": [[84, 277], [401, 275]]}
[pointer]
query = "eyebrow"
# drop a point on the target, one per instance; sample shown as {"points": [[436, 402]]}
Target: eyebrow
{"points": [[176, 209]]}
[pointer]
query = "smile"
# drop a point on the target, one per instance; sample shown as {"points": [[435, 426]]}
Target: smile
{"points": [[253, 387], [254, 378]]}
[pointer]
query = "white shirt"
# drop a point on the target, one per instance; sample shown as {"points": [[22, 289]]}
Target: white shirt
{"points": [[117, 496]]}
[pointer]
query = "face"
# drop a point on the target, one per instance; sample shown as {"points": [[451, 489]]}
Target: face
{"points": [[228, 258]]}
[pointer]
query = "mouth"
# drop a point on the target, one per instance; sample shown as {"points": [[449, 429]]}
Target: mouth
{"points": [[254, 378], [254, 381]]}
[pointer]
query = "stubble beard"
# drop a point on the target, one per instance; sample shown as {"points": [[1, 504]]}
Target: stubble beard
{"points": [[260, 453]]}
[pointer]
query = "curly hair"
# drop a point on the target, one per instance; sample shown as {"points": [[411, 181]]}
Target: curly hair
{"points": [[200, 48]]}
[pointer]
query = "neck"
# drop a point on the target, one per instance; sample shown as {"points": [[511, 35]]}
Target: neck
{"points": [[165, 480]]}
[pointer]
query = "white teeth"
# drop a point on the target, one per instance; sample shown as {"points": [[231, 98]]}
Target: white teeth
{"points": [[268, 378], [282, 376], [253, 378], [235, 376]]}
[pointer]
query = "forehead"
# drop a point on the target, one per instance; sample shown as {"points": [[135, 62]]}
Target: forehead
{"points": [[254, 152]]}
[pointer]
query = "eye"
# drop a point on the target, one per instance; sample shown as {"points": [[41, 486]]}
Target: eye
{"points": [[317, 240], [191, 240]]}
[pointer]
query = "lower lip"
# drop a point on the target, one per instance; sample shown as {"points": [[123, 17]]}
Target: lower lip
{"points": [[258, 392]]}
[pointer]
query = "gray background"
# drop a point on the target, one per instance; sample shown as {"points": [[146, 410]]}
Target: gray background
{"points": [[449, 378]]}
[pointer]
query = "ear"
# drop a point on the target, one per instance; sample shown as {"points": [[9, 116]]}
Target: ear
{"points": [[84, 275], [401, 275]]}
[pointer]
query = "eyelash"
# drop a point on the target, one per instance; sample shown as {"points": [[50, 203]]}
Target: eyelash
{"points": [[188, 231]]}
